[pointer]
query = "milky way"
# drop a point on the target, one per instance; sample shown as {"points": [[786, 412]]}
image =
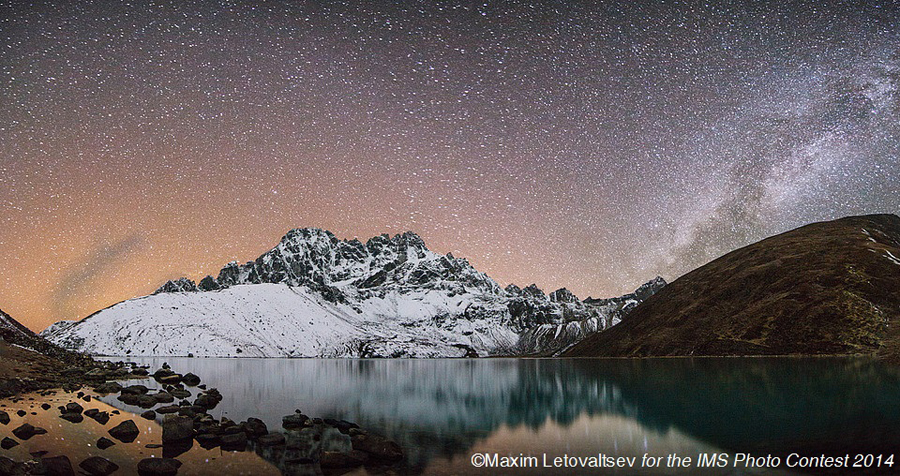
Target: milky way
{"points": [[585, 145]]}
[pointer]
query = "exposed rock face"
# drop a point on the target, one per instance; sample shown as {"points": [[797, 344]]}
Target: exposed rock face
{"points": [[180, 285], [825, 288], [314, 295]]}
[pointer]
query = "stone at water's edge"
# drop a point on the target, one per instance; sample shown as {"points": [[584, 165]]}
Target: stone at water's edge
{"points": [[104, 443], [255, 428], [26, 431], [191, 379], [234, 441], [72, 417], [378, 447], [8, 443], [177, 428], [108, 387], [56, 465], [97, 466], [158, 467], [126, 432]]}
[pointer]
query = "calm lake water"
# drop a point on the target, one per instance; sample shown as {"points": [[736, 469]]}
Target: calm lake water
{"points": [[444, 411]]}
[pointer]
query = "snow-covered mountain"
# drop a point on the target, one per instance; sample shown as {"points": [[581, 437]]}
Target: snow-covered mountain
{"points": [[315, 295]]}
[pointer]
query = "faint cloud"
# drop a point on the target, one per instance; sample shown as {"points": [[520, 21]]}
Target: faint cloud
{"points": [[77, 279]]}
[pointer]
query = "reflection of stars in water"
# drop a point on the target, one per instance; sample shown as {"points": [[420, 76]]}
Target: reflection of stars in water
{"points": [[587, 146]]}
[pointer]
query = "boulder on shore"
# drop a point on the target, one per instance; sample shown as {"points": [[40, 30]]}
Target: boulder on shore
{"points": [[126, 432]]}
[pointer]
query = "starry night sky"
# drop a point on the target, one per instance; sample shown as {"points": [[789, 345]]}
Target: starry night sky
{"points": [[585, 145]]}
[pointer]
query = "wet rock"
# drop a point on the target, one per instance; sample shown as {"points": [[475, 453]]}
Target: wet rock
{"points": [[343, 426], [74, 407], [271, 439], [207, 401], [254, 427], [55, 466], [190, 379], [149, 415], [98, 416], [8, 443], [170, 379], [146, 401], [335, 459], [26, 431], [294, 422], [86, 398], [180, 393], [126, 432], [177, 448], [177, 428], [97, 466], [72, 417], [158, 467], [135, 390], [378, 447], [4, 417], [97, 373], [8, 466], [207, 440], [234, 441], [108, 387], [163, 397], [129, 398], [140, 372], [168, 409], [162, 373], [104, 443]]}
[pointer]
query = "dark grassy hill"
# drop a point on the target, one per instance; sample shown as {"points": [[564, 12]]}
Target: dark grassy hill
{"points": [[825, 288]]}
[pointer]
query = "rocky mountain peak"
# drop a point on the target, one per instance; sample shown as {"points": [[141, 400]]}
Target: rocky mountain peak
{"points": [[180, 285], [563, 295], [315, 258], [533, 291], [513, 290]]}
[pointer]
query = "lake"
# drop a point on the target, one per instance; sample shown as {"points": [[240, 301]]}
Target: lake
{"points": [[776, 410]]}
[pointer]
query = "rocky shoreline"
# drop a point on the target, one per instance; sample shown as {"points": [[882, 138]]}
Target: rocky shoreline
{"points": [[303, 445]]}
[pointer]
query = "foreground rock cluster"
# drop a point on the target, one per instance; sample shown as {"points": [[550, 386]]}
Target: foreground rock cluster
{"points": [[301, 443]]}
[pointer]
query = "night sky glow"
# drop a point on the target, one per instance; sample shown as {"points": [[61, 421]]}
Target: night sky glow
{"points": [[576, 144]]}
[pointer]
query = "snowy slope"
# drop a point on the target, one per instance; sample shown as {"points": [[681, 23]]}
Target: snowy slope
{"points": [[270, 320], [316, 296]]}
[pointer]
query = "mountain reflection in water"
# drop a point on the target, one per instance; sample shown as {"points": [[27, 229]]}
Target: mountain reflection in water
{"points": [[444, 408]]}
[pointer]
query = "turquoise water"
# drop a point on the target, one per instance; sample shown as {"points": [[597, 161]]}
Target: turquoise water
{"points": [[444, 411]]}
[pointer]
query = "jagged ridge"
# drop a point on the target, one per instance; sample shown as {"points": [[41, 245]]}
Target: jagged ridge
{"points": [[387, 297]]}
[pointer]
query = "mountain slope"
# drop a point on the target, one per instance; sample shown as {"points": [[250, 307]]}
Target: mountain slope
{"points": [[13, 332], [825, 288], [314, 295]]}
